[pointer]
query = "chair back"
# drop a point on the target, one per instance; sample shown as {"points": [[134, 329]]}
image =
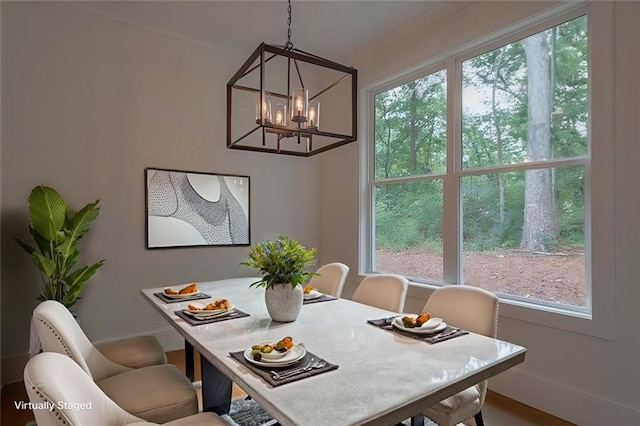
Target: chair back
{"points": [[331, 279], [384, 291], [59, 332], [58, 385], [470, 308]]}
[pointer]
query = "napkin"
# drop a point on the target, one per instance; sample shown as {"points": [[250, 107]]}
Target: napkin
{"points": [[449, 332], [187, 298], [323, 298], [193, 321], [265, 372]]}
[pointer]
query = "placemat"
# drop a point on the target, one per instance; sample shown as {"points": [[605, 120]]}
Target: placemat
{"points": [[196, 296], [323, 298], [191, 320], [448, 333], [267, 376]]}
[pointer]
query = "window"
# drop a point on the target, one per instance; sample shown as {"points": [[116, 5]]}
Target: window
{"points": [[488, 190]]}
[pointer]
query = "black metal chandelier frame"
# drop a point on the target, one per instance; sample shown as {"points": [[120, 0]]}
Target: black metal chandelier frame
{"points": [[304, 135]]}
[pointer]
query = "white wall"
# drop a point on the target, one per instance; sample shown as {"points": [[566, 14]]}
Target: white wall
{"points": [[586, 380], [87, 104]]}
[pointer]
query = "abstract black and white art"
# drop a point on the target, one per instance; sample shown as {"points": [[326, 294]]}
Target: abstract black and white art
{"points": [[187, 209]]}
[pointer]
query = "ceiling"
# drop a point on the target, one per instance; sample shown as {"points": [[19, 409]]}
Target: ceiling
{"points": [[334, 29]]}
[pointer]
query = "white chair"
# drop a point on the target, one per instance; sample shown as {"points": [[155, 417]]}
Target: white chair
{"points": [[384, 291], [472, 309], [72, 398], [158, 393], [331, 279]]}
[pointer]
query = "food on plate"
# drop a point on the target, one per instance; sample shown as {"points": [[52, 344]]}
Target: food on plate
{"points": [[307, 289], [216, 305], [191, 288], [422, 318], [411, 322], [280, 346]]}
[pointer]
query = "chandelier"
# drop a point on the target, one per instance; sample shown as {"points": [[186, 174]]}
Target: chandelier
{"points": [[272, 108]]}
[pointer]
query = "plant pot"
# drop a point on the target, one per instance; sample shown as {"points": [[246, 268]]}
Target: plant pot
{"points": [[283, 302]]}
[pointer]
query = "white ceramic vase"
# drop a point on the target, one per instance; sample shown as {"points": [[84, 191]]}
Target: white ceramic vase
{"points": [[283, 302]]}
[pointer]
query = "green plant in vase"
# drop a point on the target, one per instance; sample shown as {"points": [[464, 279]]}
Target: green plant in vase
{"points": [[282, 264], [281, 261], [56, 233]]}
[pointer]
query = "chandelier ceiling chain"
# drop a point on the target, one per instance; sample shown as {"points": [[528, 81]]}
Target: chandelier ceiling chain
{"points": [[288, 45]]}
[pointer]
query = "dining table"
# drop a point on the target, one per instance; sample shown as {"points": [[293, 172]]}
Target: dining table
{"points": [[379, 376]]}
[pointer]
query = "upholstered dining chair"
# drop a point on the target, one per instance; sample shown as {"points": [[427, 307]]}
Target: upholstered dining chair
{"points": [[158, 393], [384, 291], [134, 352], [72, 398], [472, 309], [331, 279]]}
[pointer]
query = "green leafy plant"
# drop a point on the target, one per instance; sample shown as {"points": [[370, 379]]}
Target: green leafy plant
{"points": [[281, 261], [56, 233]]}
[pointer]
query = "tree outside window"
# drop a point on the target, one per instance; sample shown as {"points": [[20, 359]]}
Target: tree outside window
{"points": [[521, 176]]}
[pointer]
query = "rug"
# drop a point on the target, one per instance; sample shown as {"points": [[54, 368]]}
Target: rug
{"points": [[247, 412]]}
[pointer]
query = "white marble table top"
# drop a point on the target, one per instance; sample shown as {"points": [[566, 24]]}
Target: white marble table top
{"points": [[383, 377]]}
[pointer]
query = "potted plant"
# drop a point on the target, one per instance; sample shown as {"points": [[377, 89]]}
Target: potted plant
{"points": [[56, 233], [282, 264]]}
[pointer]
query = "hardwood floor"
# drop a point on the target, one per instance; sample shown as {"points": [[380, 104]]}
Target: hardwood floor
{"points": [[498, 410]]}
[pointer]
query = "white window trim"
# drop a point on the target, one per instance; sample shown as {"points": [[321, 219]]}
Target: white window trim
{"points": [[599, 217]]}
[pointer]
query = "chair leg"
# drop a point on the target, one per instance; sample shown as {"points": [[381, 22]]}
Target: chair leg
{"points": [[478, 419]]}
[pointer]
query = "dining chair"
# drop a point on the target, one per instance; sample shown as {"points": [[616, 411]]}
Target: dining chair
{"points": [[331, 279], [384, 291], [472, 309], [134, 352], [157, 393], [69, 397]]}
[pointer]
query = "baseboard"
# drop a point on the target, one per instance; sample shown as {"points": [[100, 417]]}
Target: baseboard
{"points": [[13, 366], [570, 404]]}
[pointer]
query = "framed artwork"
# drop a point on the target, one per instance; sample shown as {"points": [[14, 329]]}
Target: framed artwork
{"points": [[192, 209]]}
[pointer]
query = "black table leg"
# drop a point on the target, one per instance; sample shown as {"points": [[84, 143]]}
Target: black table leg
{"points": [[417, 420], [216, 388], [188, 361]]}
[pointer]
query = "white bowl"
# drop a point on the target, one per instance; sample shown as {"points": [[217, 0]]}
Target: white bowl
{"points": [[432, 323], [274, 354]]}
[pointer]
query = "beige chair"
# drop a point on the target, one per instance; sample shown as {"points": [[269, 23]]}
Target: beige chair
{"points": [[74, 399], [472, 309], [158, 393], [384, 291], [134, 352], [331, 279]]}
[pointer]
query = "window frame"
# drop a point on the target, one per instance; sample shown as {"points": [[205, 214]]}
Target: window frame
{"points": [[599, 246]]}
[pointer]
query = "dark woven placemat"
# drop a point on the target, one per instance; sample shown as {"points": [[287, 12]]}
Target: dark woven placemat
{"points": [[166, 299], [193, 321], [323, 298], [449, 332], [265, 372]]}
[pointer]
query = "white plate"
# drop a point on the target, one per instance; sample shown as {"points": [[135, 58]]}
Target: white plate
{"points": [[215, 314], [295, 354], [179, 296], [209, 312], [313, 294], [430, 324], [397, 323]]}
